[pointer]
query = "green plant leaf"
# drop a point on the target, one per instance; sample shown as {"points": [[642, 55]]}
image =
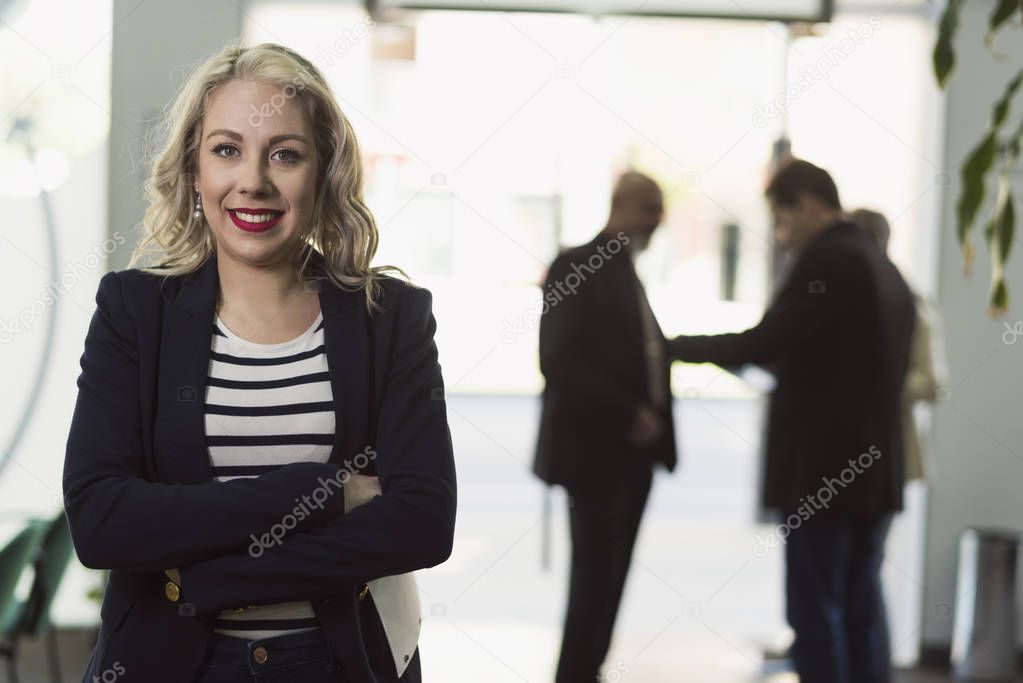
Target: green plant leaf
{"points": [[1001, 14], [1006, 228], [944, 56], [1002, 222], [978, 164], [1015, 143], [973, 172], [999, 299], [1001, 110], [1000, 231]]}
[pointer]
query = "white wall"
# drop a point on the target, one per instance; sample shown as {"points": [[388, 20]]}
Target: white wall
{"points": [[978, 440]]}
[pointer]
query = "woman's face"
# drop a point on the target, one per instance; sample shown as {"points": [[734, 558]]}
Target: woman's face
{"points": [[257, 161]]}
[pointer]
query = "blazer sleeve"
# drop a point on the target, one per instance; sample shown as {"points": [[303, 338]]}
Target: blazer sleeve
{"points": [[410, 526], [811, 299], [120, 520], [566, 330]]}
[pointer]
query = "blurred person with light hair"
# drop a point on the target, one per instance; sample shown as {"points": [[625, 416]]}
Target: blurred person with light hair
{"points": [[926, 373], [606, 418], [259, 451]]}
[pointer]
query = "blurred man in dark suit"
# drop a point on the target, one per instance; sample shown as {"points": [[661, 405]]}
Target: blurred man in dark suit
{"points": [[838, 339], [606, 417]]}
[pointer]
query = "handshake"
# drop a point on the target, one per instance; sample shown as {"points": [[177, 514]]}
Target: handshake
{"points": [[648, 424], [731, 352]]}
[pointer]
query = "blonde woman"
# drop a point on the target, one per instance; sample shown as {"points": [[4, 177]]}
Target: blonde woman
{"points": [[259, 451]]}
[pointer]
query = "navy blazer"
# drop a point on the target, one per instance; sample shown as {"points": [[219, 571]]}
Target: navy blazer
{"points": [[140, 496]]}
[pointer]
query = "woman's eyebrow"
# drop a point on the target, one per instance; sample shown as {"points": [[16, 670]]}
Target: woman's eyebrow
{"points": [[275, 139]]}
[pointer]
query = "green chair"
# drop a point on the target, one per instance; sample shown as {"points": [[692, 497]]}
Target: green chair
{"points": [[23, 550]]}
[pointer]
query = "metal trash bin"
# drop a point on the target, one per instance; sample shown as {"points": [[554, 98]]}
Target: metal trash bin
{"points": [[984, 638]]}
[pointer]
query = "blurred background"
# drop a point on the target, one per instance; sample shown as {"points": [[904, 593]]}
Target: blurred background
{"points": [[491, 135]]}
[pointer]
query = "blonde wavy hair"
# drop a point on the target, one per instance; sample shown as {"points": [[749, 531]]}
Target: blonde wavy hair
{"points": [[343, 230]]}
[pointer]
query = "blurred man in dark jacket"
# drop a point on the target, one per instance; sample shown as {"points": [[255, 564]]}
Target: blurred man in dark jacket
{"points": [[606, 417], [837, 337]]}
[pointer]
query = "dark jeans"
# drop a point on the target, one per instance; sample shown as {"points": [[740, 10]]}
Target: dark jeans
{"points": [[604, 523], [834, 601], [295, 657]]}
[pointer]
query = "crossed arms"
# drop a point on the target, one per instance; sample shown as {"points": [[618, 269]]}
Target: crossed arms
{"points": [[120, 520]]}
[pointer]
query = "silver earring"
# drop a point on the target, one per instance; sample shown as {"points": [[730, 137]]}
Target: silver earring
{"points": [[197, 214]]}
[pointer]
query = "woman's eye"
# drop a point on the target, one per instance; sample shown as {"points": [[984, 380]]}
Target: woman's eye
{"points": [[290, 154], [222, 146]]}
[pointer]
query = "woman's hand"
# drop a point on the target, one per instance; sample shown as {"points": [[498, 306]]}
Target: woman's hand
{"points": [[359, 490], [174, 575]]}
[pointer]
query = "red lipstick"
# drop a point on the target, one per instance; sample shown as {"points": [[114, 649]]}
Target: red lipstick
{"points": [[255, 226]]}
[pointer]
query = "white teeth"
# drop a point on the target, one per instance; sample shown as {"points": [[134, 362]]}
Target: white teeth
{"points": [[255, 218]]}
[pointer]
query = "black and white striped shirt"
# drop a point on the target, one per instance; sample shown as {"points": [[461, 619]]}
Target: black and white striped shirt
{"points": [[267, 405]]}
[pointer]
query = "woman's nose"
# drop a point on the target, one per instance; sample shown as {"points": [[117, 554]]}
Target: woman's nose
{"points": [[255, 178]]}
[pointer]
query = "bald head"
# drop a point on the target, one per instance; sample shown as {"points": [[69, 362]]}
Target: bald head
{"points": [[633, 186], [637, 207]]}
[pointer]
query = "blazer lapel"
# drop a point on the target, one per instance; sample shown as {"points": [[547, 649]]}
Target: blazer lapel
{"points": [[186, 340], [346, 339], [187, 335]]}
